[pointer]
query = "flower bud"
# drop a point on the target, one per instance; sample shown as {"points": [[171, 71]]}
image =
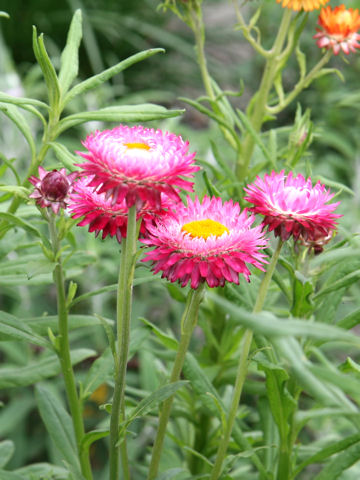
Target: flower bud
{"points": [[52, 188], [55, 186]]}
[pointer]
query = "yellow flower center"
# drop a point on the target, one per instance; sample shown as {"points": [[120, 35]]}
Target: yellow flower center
{"points": [[204, 228], [142, 146]]}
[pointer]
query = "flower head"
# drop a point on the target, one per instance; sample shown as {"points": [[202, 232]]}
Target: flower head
{"points": [[52, 188], [306, 5], [137, 164], [101, 214], [292, 206], [208, 241], [338, 29]]}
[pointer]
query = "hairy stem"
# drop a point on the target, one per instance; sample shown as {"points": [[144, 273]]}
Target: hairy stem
{"points": [[64, 352], [124, 304], [188, 323], [242, 368]]}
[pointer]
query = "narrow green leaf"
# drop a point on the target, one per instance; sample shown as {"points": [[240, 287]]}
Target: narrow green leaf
{"points": [[290, 349], [16, 221], [346, 383], [12, 328], [256, 137], [221, 162], [328, 452], [6, 475], [16, 190], [301, 59], [43, 471], [15, 116], [91, 437], [102, 77], [111, 288], [121, 113], [14, 413], [303, 289], [7, 449], [109, 333], [331, 257], [100, 371], [41, 324], [13, 376], [265, 323], [64, 156], [217, 118], [333, 184], [70, 55], [58, 424], [342, 283], [340, 463], [154, 399], [21, 101], [48, 70], [165, 339], [211, 188], [174, 474], [201, 384]]}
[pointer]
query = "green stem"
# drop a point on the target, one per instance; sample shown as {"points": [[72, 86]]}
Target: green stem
{"points": [[33, 168], [64, 352], [303, 83], [198, 28], [188, 323], [242, 368], [124, 304], [247, 32], [260, 100]]}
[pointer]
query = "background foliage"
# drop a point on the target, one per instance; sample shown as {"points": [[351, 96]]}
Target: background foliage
{"points": [[328, 286]]}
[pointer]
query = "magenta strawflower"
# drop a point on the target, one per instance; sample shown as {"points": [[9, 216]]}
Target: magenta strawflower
{"points": [[137, 164], [208, 241], [102, 215], [293, 206], [52, 188]]}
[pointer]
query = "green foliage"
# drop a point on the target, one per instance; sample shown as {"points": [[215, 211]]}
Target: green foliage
{"points": [[298, 413]]}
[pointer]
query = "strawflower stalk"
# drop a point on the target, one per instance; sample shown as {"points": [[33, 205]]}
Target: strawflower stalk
{"points": [[242, 367], [64, 352], [52, 190], [204, 242], [124, 304]]}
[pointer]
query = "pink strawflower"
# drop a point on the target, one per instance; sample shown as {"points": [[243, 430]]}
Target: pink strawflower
{"points": [[292, 206], [52, 188], [101, 214], [208, 241], [137, 164], [338, 29]]}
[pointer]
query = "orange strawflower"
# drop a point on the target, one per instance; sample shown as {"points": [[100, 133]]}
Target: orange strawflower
{"points": [[306, 5], [339, 29]]}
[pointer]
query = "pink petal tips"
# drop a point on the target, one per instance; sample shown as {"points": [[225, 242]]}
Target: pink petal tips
{"points": [[205, 241], [292, 206], [137, 164], [102, 215]]}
